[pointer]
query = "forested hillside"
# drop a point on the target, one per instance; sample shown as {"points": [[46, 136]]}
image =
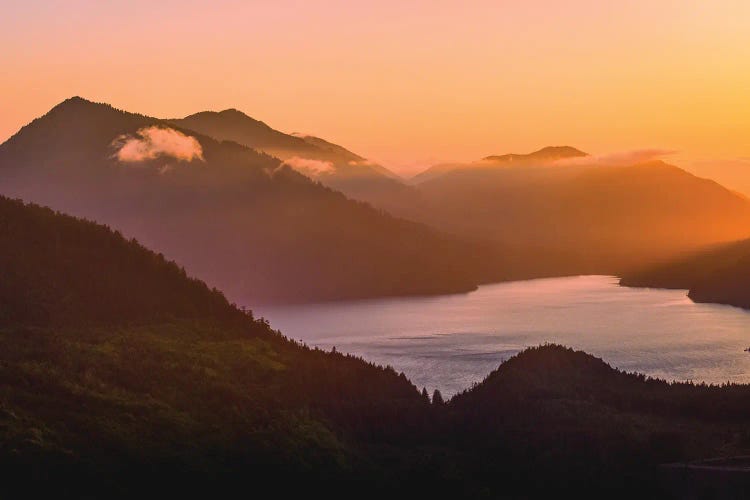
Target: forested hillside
{"points": [[720, 274], [120, 375]]}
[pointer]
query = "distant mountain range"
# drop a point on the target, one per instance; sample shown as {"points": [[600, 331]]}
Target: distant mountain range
{"points": [[331, 164], [235, 217], [543, 156], [265, 229], [597, 217]]}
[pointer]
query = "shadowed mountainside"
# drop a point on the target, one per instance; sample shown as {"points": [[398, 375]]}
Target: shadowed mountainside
{"points": [[571, 415], [331, 164], [598, 218], [234, 217], [121, 376], [58, 270], [136, 380], [720, 275]]}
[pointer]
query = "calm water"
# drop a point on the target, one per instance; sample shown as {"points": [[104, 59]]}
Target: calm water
{"points": [[450, 342]]}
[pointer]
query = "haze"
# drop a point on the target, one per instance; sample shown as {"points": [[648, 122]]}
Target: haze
{"points": [[408, 84]]}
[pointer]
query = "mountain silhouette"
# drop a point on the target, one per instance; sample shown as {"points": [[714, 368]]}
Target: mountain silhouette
{"points": [[543, 156], [57, 270], [720, 274], [343, 170], [598, 218], [234, 217], [113, 360], [546, 154]]}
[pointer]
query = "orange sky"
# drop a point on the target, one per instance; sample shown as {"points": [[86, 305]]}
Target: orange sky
{"points": [[407, 83]]}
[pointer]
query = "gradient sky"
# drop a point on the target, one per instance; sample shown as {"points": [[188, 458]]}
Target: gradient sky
{"points": [[407, 83]]}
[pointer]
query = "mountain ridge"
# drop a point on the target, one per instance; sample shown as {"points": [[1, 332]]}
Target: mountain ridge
{"points": [[331, 164], [227, 208]]}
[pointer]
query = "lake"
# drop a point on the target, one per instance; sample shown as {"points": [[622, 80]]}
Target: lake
{"points": [[451, 342]]}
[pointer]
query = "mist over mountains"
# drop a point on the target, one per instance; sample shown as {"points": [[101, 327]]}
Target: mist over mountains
{"points": [[255, 219], [329, 163], [235, 217], [605, 215]]}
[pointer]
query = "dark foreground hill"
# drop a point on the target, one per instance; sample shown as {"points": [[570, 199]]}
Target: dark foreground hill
{"points": [[121, 376], [236, 218], [175, 392], [720, 275], [58, 270], [564, 421]]}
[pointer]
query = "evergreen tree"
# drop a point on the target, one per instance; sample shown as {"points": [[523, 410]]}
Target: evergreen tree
{"points": [[437, 398]]}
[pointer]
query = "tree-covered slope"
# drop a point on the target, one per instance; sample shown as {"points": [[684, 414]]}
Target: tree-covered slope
{"points": [[56, 269], [564, 421], [720, 274], [119, 374]]}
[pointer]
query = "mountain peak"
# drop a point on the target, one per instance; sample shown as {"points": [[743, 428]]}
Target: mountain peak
{"points": [[233, 111], [83, 107], [232, 116], [548, 153], [559, 152], [77, 102]]}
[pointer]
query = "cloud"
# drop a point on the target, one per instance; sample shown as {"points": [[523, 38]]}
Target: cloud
{"points": [[310, 168], [622, 158], [154, 142], [361, 163]]}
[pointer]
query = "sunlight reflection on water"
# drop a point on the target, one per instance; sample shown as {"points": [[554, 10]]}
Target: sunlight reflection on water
{"points": [[451, 342]]}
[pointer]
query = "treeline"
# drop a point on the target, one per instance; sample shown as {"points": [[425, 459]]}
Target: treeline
{"points": [[56, 269], [720, 274], [564, 421]]}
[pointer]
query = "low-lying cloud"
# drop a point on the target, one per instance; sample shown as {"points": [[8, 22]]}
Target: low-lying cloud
{"points": [[309, 167], [622, 158], [153, 142], [362, 163]]}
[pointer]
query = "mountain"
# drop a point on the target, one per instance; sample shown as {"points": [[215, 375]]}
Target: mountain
{"points": [[121, 376], [546, 154], [540, 157], [332, 165], [560, 418], [720, 275], [57, 270], [598, 218], [235, 218], [435, 171]]}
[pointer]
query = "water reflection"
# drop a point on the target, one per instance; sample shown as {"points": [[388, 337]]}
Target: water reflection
{"points": [[451, 342]]}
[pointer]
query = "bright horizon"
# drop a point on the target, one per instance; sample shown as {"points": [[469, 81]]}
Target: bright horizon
{"points": [[408, 84]]}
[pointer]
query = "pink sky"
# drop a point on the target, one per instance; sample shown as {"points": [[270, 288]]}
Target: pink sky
{"points": [[406, 83]]}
